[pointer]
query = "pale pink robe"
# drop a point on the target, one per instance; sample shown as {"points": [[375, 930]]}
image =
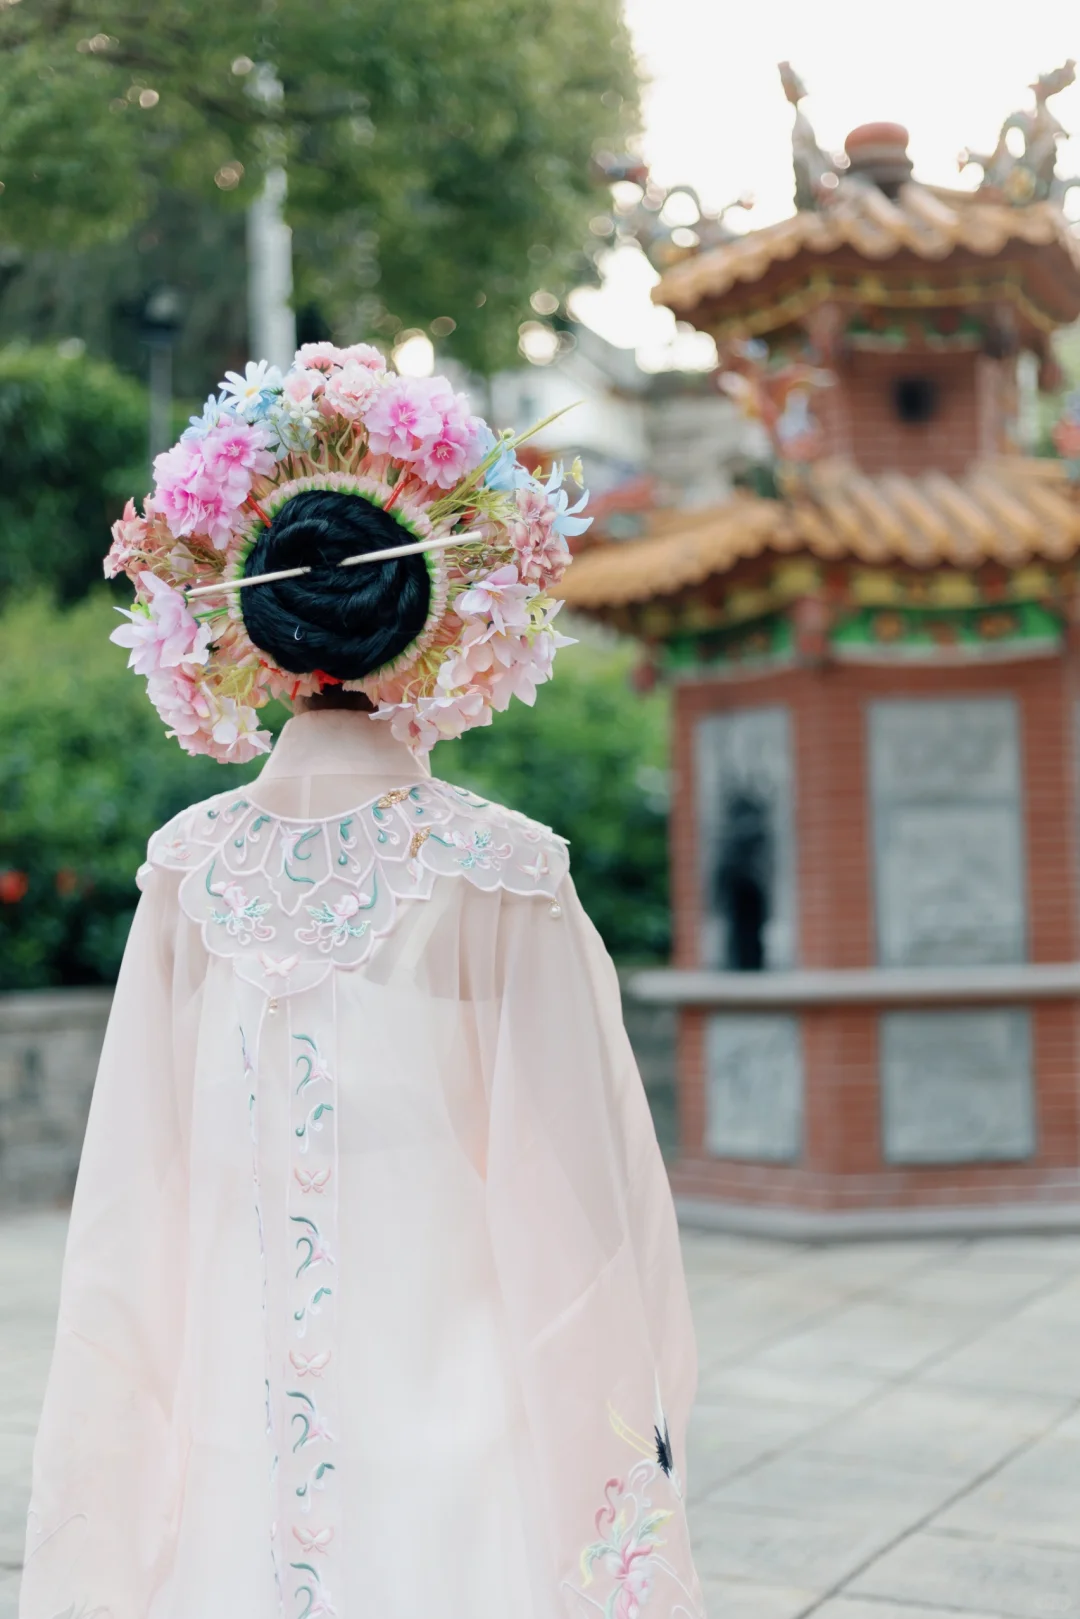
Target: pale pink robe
{"points": [[372, 1301]]}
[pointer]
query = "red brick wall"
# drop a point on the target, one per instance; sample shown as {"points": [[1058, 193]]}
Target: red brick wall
{"points": [[860, 418], [842, 1162]]}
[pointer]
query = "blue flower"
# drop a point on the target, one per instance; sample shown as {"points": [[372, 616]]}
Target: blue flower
{"points": [[201, 425], [566, 522]]}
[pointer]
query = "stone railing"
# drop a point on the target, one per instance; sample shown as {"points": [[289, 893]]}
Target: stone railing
{"points": [[50, 1041], [49, 1046]]}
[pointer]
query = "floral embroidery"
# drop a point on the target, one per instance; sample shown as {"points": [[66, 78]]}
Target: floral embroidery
{"points": [[317, 1603], [292, 840], [312, 1426], [312, 1307], [312, 1122], [314, 1481], [629, 1538], [310, 1243], [313, 1065], [242, 918], [333, 923], [333, 889], [631, 1569], [480, 851]]}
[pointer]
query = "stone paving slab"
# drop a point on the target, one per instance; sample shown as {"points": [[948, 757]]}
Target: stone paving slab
{"points": [[975, 1574], [885, 1430]]}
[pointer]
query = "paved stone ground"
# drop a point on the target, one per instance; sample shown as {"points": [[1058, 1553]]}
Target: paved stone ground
{"points": [[885, 1431]]}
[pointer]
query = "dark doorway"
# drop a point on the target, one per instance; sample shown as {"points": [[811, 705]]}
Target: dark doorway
{"points": [[744, 878]]}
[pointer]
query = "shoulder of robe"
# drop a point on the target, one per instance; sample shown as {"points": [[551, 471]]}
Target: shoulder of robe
{"points": [[323, 891]]}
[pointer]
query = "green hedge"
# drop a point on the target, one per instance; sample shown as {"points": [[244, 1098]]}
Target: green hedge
{"points": [[73, 446], [86, 773]]}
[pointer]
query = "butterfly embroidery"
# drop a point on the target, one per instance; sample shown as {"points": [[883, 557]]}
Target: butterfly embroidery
{"points": [[309, 1365], [312, 1180], [277, 966], [313, 1541]]}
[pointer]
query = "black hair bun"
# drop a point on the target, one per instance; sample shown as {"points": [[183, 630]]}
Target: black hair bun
{"points": [[346, 622]]}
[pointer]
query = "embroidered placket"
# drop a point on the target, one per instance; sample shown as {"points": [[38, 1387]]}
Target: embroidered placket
{"points": [[310, 1483], [253, 1010]]}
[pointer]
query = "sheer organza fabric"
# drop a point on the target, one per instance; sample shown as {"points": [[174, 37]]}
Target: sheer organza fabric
{"points": [[510, 1316]]}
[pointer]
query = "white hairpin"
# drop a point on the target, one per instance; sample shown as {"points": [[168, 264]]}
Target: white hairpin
{"points": [[412, 550]]}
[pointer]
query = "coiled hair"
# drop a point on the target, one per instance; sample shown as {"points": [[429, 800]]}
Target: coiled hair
{"points": [[345, 622]]}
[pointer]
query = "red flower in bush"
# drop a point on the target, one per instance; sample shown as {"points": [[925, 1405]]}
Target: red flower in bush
{"points": [[13, 886]]}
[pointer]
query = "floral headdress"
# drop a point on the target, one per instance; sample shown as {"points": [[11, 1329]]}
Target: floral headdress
{"points": [[338, 419]]}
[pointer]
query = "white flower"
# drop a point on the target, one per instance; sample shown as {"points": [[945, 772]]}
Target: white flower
{"points": [[246, 394]]}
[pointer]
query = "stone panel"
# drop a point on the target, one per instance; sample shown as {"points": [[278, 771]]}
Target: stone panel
{"points": [[754, 1072], [49, 1049], [747, 750], [949, 870], [956, 1086]]}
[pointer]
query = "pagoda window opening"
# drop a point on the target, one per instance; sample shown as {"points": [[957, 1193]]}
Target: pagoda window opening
{"points": [[744, 878], [915, 400]]}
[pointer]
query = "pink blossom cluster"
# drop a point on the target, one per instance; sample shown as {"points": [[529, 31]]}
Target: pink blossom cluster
{"points": [[506, 650], [543, 553], [170, 647], [204, 721], [422, 423], [129, 538], [202, 482]]}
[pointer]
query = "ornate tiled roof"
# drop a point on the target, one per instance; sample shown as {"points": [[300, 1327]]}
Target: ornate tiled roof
{"points": [[927, 221], [1009, 510]]}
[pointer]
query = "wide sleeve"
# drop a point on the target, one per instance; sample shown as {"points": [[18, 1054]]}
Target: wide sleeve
{"points": [[102, 1501], [586, 1245]]}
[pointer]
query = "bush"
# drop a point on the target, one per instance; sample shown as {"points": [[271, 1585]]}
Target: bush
{"points": [[589, 760], [73, 446], [87, 773]]}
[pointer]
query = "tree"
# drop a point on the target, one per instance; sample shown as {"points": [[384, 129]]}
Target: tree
{"points": [[438, 153], [87, 773], [590, 761], [72, 448]]}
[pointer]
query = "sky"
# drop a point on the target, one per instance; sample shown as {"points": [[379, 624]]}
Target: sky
{"points": [[715, 116]]}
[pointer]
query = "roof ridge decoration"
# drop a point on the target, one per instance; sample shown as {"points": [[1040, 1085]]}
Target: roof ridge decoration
{"points": [[816, 172], [1030, 175]]}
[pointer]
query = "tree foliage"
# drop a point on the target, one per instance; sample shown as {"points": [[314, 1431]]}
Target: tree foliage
{"points": [[590, 761], [73, 446], [87, 773], [438, 153]]}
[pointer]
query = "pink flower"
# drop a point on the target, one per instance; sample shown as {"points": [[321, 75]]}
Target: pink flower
{"points": [[364, 354], [234, 452], [128, 539], [543, 554], [162, 634], [202, 483], [500, 597], [191, 499], [318, 356], [402, 415], [633, 1574], [436, 719], [202, 722], [452, 451], [301, 385], [350, 389], [234, 732]]}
